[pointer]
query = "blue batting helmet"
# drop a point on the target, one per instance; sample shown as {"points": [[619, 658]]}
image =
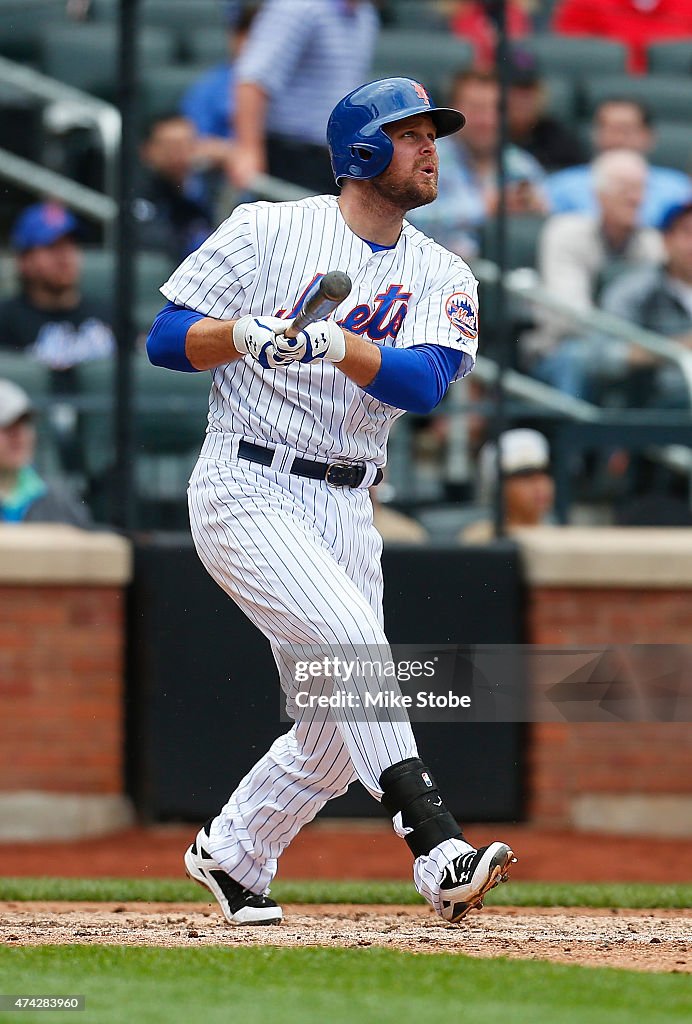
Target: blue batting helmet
{"points": [[358, 146]]}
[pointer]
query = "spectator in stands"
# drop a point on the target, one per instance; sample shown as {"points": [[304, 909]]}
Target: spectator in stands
{"points": [[636, 23], [171, 210], [468, 192], [210, 101], [552, 144], [24, 496], [619, 123], [528, 491], [471, 20], [300, 58], [50, 319], [576, 252], [659, 299]]}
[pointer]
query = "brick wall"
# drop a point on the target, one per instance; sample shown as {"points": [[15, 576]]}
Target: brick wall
{"points": [[61, 679], [648, 762]]}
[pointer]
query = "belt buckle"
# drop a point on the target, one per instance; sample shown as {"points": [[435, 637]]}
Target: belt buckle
{"points": [[339, 474]]}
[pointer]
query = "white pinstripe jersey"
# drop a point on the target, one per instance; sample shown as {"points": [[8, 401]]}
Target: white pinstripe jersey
{"points": [[262, 260]]}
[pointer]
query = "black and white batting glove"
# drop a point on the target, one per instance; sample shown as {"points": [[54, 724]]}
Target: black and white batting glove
{"points": [[258, 336], [322, 340]]}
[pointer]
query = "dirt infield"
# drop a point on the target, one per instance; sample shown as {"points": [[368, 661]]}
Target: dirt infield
{"points": [[638, 940], [363, 850]]}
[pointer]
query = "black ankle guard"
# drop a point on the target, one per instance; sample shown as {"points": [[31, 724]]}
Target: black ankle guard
{"points": [[410, 790]]}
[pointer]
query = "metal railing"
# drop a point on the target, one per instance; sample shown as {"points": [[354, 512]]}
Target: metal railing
{"points": [[40, 180], [66, 107], [525, 283]]}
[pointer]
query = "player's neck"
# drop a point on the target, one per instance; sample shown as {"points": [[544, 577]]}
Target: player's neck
{"points": [[370, 217]]}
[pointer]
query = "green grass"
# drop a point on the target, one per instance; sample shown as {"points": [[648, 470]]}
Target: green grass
{"points": [[520, 894], [339, 986]]}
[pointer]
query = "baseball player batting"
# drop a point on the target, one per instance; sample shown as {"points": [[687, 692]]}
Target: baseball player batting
{"points": [[297, 431]]}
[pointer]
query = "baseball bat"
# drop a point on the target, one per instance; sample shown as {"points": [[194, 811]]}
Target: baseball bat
{"points": [[321, 300]]}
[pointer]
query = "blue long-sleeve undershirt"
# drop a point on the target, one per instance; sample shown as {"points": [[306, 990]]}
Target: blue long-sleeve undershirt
{"points": [[413, 379], [166, 340]]}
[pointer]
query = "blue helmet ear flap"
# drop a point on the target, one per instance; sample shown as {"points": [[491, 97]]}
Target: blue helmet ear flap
{"points": [[369, 159]]}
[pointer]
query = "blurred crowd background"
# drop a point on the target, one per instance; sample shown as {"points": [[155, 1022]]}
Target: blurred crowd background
{"points": [[592, 329]]}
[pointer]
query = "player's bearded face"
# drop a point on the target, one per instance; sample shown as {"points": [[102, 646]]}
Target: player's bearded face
{"points": [[411, 178]]}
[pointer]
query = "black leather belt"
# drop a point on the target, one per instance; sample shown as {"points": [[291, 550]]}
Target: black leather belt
{"points": [[338, 474]]}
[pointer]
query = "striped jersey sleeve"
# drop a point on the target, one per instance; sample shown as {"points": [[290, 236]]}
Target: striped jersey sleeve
{"points": [[446, 312], [215, 278]]}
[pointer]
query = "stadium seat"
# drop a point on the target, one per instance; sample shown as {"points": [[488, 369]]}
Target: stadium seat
{"points": [[152, 269], [27, 373], [412, 14], [169, 424], [206, 46], [673, 146], [178, 423], [177, 15], [95, 395], [668, 97], [85, 56], [430, 57], [561, 98], [21, 25], [670, 58], [576, 56], [523, 231], [161, 89]]}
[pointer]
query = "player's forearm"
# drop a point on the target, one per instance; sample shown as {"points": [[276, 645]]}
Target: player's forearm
{"points": [[209, 343], [362, 361]]}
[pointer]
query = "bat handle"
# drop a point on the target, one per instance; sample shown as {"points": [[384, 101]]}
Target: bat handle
{"points": [[294, 329]]}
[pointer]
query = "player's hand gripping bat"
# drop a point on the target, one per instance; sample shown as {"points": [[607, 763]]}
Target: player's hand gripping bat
{"points": [[265, 339], [325, 340], [322, 299]]}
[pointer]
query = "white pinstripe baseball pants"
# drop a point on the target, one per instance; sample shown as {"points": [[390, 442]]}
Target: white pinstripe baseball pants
{"points": [[302, 560]]}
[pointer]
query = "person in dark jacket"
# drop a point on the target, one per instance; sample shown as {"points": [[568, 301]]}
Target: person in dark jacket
{"points": [[657, 298], [25, 497], [554, 145], [171, 210]]}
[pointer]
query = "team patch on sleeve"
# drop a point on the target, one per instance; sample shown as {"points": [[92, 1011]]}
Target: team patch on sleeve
{"points": [[463, 313]]}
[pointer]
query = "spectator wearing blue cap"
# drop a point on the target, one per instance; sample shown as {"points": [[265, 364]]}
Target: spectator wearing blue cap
{"points": [[50, 320], [657, 298]]}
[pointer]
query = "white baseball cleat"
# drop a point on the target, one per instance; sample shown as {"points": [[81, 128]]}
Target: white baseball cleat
{"points": [[469, 876], [238, 905]]}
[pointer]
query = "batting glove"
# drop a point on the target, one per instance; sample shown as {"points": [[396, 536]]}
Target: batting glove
{"points": [[258, 336], [322, 340]]}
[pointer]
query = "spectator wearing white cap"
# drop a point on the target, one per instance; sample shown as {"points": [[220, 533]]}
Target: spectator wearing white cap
{"points": [[528, 491], [25, 497]]}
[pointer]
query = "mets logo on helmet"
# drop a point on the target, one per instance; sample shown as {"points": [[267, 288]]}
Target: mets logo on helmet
{"points": [[463, 313], [421, 91]]}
